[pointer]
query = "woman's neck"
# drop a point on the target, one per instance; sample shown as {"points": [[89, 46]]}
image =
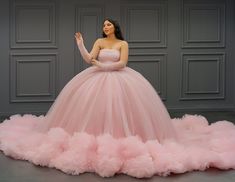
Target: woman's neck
{"points": [[111, 37]]}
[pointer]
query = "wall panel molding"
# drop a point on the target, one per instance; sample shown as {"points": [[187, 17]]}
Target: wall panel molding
{"points": [[88, 20], [141, 33], [33, 24], [37, 37], [33, 77], [203, 24], [203, 76], [153, 66]]}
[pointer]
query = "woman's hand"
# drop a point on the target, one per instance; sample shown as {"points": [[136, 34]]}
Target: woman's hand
{"points": [[79, 38], [95, 62]]}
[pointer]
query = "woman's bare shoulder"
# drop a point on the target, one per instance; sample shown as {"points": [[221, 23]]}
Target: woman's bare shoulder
{"points": [[124, 43], [99, 42]]}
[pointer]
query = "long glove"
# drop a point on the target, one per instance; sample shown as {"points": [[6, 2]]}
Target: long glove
{"points": [[85, 54], [111, 66]]}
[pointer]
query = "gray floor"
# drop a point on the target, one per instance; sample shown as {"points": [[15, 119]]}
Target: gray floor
{"points": [[17, 171]]}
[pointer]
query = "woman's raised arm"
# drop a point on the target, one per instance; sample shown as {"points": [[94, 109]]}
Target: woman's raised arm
{"points": [[85, 54]]}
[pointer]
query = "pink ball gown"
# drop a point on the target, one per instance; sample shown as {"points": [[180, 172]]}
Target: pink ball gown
{"points": [[112, 122]]}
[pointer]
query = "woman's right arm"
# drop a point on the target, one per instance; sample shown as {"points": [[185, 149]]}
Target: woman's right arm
{"points": [[85, 54]]}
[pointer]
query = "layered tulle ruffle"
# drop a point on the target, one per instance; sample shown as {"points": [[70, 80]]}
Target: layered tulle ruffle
{"points": [[198, 147]]}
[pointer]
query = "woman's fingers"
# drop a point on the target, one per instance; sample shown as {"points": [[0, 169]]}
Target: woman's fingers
{"points": [[93, 62], [78, 35]]}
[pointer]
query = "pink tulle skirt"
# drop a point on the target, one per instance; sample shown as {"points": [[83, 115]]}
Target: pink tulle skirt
{"points": [[114, 122]]}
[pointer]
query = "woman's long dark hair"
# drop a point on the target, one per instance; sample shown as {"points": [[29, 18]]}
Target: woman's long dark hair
{"points": [[117, 29]]}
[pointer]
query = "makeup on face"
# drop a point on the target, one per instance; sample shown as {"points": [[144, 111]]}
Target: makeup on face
{"points": [[108, 27]]}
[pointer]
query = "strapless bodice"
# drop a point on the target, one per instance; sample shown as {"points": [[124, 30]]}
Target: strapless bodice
{"points": [[109, 55]]}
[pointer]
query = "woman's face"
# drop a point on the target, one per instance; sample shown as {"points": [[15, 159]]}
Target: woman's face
{"points": [[108, 28]]}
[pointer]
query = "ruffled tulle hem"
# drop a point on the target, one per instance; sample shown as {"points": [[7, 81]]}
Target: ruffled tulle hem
{"points": [[198, 147]]}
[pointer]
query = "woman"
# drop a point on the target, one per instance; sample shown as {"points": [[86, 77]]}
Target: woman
{"points": [[109, 119], [110, 97]]}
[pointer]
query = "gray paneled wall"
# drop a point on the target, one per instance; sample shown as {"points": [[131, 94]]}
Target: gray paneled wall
{"points": [[185, 49]]}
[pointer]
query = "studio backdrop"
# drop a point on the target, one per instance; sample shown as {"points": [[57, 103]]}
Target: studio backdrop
{"points": [[185, 48]]}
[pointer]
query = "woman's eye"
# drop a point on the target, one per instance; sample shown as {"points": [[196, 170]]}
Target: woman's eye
{"points": [[108, 25]]}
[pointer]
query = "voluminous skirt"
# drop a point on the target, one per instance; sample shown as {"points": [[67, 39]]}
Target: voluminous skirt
{"points": [[114, 122]]}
